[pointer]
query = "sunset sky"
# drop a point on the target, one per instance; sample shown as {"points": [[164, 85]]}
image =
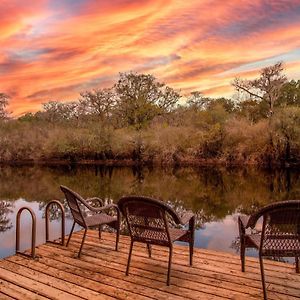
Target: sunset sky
{"points": [[55, 49]]}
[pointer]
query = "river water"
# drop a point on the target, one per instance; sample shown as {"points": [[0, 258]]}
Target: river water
{"points": [[216, 195]]}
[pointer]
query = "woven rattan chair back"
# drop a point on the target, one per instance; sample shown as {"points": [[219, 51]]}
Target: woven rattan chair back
{"points": [[74, 201], [281, 232], [147, 222]]}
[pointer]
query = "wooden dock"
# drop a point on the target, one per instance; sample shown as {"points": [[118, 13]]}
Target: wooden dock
{"points": [[100, 274]]}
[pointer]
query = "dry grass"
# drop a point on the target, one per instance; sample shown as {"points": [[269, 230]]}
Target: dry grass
{"points": [[192, 138]]}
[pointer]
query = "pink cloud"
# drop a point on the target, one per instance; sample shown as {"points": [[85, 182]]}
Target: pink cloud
{"points": [[55, 50]]}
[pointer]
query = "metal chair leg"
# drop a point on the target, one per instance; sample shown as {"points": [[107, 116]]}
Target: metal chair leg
{"points": [[82, 242], [70, 234], [297, 264], [117, 237], [242, 255], [191, 252], [170, 263], [192, 238], [263, 277], [129, 258], [149, 249]]}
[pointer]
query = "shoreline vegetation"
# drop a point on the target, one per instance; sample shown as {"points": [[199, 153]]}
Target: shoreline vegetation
{"points": [[140, 121], [131, 163]]}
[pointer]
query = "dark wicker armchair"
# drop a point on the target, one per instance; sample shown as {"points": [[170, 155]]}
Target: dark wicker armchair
{"points": [[280, 235], [99, 218], [147, 221]]}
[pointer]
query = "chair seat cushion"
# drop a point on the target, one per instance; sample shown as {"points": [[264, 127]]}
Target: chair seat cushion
{"points": [[99, 219], [282, 246], [177, 234], [158, 236]]}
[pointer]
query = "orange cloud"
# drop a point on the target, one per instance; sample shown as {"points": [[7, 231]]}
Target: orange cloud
{"points": [[54, 50], [17, 17]]}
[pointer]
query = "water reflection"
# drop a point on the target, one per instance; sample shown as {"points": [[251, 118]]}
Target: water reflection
{"points": [[5, 208], [216, 195]]}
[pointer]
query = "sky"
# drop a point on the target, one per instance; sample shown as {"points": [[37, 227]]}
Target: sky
{"points": [[55, 49]]}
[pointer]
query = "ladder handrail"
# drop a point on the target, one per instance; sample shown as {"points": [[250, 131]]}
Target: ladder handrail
{"points": [[33, 231], [55, 202]]}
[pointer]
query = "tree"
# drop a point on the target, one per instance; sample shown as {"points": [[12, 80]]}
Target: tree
{"points": [[28, 117], [253, 109], [141, 97], [99, 102], [290, 93], [265, 88], [3, 104], [197, 101], [286, 125], [227, 104], [55, 111]]}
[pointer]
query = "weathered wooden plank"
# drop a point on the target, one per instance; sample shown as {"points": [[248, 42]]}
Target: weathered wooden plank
{"points": [[34, 286], [183, 255], [85, 276], [191, 284], [54, 280], [57, 273], [288, 279], [17, 292], [275, 286], [153, 288], [106, 236], [109, 239], [5, 297]]}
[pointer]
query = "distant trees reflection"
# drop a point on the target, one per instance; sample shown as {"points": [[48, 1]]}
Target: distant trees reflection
{"points": [[5, 208], [212, 193]]}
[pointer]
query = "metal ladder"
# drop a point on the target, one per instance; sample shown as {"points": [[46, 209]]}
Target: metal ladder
{"points": [[33, 227]]}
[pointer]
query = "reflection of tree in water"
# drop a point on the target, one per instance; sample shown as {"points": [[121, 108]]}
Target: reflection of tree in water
{"points": [[236, 244], [138, 179], [5, 208], [104, 171], [212, 193], [201, 216], [54, 211], [138, 174]]}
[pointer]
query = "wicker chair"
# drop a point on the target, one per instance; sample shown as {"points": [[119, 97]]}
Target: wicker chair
{"points": [[147, 221], [99, 218], [280, 235]]}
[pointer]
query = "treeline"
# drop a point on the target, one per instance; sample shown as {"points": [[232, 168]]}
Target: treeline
{"points": [[140, 120]]}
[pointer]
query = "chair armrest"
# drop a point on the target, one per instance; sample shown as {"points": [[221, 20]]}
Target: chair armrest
{"points": [[95, 199], [243, 220], [186, 217], [98, 209], [107, 207], [243, 224]]}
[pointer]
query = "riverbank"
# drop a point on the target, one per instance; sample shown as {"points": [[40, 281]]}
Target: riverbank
{"points": [[203, 138], [141, 163]]}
